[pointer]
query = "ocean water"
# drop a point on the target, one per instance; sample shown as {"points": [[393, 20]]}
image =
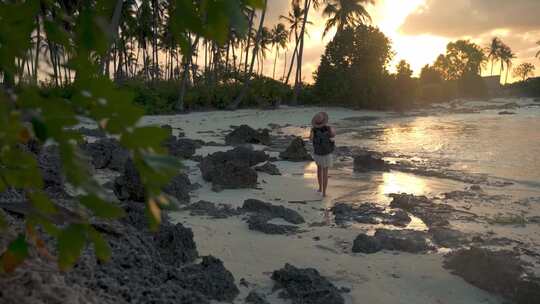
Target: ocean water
{"points": [[502, 147]]}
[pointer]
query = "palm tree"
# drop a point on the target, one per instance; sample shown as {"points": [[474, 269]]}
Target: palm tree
{"points": [[247, 77], [493, 50], [506, 57], [264, 42], [294, 19], [279, 40], [346, 13], [538, 53]]}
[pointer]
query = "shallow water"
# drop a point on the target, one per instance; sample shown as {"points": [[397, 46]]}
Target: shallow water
{"points": [[506, 147]]}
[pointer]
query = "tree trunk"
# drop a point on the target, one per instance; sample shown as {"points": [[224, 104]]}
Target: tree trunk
{"points": [[113, 32], [251, 16], [295, 53], [185, 76], [298, 80], [284, 66], [275, 62], [247, 77]]}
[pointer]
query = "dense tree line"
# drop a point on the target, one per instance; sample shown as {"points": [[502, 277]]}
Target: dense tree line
{"points": [[175, 70]]}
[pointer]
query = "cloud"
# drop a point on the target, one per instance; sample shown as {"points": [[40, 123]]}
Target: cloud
{"points": [[457, 18]]}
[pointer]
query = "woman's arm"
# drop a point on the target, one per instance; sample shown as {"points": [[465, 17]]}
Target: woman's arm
{"points": [[332, 132]]}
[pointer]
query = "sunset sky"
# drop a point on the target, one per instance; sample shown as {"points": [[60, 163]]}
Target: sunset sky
{"points": [[420, 29]]}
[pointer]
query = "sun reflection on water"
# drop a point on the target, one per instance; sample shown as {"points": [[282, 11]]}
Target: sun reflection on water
{"points": [[397, 182], [310, 170]]}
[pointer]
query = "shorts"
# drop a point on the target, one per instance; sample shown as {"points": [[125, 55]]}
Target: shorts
{"points": [[324, 161]]}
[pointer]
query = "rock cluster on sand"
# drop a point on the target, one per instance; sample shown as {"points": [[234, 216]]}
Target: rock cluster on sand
{"points": [[366, 244], [181, 147], [369, 213], [106, 153], [369, 161], [244, 134], [255, 298], [148, 267], [179, 187], [212, 210], [499, 272], [398, 240], [432, 214], [268, 168], [145, 267], [296, 151], [447, 237], [232, 169], [210, 278], [306, 286], [262, 213], [128, 186]]}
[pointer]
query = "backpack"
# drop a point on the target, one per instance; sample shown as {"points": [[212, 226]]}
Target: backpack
{"points": [[322, 142]]}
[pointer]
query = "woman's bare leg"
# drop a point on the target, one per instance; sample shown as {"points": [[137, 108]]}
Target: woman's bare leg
{"points": [[325, 180], [319, 178]]}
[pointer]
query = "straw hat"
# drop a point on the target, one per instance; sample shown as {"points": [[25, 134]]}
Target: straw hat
{"points": [[319, 120]]}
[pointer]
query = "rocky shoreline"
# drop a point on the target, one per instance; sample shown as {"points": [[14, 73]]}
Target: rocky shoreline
{"points": [[240, 187]]}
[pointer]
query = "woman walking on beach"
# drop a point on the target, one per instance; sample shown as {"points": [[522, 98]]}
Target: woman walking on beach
{"points": [[323, 145]]}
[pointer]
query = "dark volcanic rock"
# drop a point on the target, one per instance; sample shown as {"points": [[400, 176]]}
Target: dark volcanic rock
{"points": [[256, 206], [256, 298], [244, 134], [209, 278], [128, 186], [306, 286], [179, 187], [447, 237], [142, 262], [12, 195], [50, 165], [499, 272], [107, 153], [175, 245], [369, 213], [181, 147], [232, 169], [263, 213], [432, 214], [506, 113], [269, 168], [230, 175], [296, 151], [210, 209], [403, 240], [260, 222], [366, 244], [369, 161]]}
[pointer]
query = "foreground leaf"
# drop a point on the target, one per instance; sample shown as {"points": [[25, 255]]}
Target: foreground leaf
{"points": [[15, 254], [41, 202], [100, 208], [71, 242], [103, 251], [3, 223]]}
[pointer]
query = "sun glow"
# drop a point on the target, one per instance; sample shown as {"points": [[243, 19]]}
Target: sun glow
{"points": [[420, 50]]}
